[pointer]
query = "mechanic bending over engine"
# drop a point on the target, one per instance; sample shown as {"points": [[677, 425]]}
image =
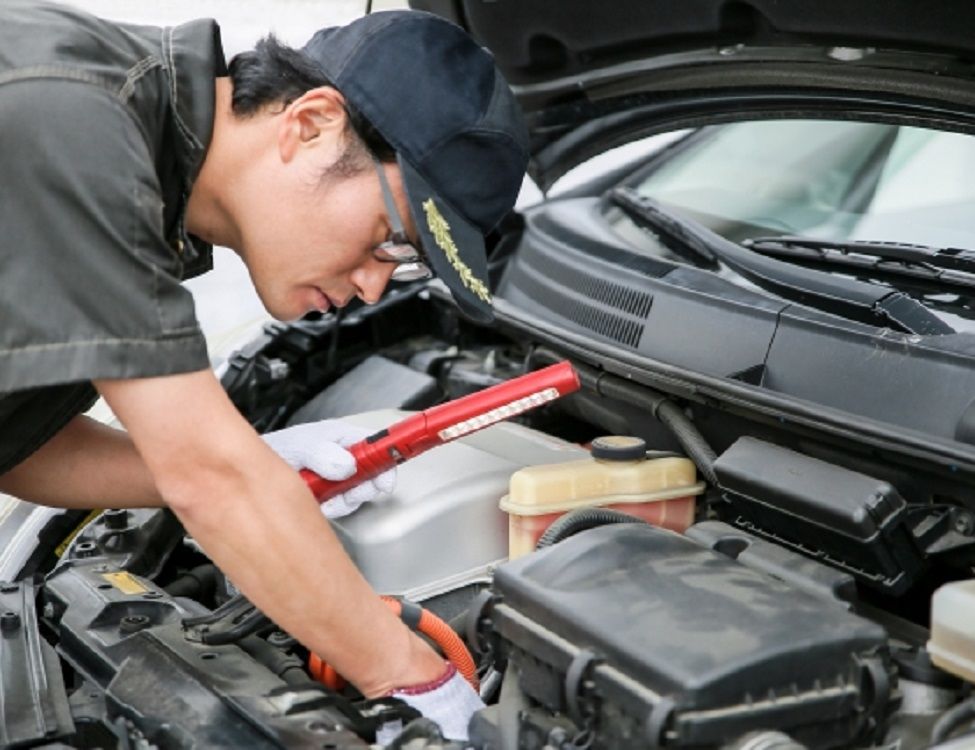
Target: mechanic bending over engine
{"points": [[127, 153]]}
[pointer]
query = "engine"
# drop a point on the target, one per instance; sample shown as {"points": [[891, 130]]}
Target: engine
{"points": [[769, 608]]}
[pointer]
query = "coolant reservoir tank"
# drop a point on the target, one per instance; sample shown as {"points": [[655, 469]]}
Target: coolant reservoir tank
{"points": [[617, 475], [952, 644]]}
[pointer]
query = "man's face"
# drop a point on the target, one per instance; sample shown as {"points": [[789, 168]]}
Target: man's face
{"points": [[309, 244], [305, 231]]}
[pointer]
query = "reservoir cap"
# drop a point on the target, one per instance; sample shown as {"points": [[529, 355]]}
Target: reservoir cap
{"points": [[619, 448]]}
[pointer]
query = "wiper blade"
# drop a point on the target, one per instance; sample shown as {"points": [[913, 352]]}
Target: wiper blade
{"points": [[855, 300], [914, 262], [944, 258], [648, 212]]}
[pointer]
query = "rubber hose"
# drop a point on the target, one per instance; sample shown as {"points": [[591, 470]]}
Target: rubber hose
{"points": [[582, 519], [691, 440], [286, 666], [431, 626], [665, 410], [325, 673], [200, 582], [952, 719], [444, 636]]}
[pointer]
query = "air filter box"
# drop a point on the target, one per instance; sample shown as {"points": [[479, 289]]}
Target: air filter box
{"points": [[652, 640]]}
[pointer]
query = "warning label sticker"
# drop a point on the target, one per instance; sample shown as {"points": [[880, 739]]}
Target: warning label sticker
{"points": [[125, 582]]}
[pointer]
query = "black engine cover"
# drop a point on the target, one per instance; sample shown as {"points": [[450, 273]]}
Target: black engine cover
{"points": [[657, 640]]}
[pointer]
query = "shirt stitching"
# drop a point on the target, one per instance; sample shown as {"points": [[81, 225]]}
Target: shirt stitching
{"points": [[155, 297], [136, 245], [55, 71], [135, 73], [173, 334], [167, 44]]}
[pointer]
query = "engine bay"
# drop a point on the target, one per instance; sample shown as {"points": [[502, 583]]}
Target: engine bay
{"points": [[791, 611]]}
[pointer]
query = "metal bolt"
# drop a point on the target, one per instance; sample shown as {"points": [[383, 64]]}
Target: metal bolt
{"points": [[86, 549], [279, 638], [964, 523], [557, 737], [317, 726], [278, 369], [116, 519], [133, 623], [9, 621]]}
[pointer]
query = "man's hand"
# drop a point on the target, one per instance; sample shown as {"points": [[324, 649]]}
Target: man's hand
{"points": [[320, 447]]}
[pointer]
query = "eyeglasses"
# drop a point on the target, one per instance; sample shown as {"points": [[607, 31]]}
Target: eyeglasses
{"points": [[409, 259]]}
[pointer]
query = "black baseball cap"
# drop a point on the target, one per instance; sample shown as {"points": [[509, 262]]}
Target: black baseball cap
{"points": [[439, 100]]}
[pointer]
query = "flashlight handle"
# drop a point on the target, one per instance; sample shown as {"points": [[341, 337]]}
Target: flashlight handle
{"points": [[441, 424], [366, 469]]}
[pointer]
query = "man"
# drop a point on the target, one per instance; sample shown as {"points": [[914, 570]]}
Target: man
{"points": [[127, 152]]}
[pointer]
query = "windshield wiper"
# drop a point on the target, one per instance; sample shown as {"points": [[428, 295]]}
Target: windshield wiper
{"points": [[940, 258], [856, 300], [948, 269]]}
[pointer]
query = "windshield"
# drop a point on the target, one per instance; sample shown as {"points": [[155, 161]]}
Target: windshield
{"points": [[836, 181], [833, 180]]}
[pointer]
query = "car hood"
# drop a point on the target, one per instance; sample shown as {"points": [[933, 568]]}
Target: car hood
{"points": [[593, 76]]}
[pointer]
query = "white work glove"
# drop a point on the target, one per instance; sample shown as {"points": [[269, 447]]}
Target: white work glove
{"points": [[450, 701], [321, 447]]}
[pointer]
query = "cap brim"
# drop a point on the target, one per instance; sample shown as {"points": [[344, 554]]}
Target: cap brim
{"points": [[454, 246]]}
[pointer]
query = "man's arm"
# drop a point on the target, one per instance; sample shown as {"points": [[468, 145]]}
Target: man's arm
{"points": [[86, 465], [259, 523]]}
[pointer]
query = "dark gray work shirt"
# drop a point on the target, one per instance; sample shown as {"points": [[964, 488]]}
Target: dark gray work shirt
{"points": [[103, 128]]}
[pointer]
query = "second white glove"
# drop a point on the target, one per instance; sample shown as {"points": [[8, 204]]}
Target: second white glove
{"points": [[450, 701], [321, 447]]}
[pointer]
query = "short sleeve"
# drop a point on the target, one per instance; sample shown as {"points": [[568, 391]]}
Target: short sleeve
{"points": [[90, 289]]}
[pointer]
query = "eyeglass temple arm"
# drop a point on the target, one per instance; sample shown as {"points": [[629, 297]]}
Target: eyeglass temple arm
{"points": [[391, 211]]}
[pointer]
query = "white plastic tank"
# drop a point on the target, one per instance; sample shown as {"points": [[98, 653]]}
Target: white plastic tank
{"points": [[952, 644], [618, 475]]}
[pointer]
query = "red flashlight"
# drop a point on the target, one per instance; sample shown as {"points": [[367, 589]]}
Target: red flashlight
{"points": [[441, 424]]}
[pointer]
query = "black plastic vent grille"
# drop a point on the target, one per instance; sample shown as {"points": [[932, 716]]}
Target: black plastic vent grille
{"points": [[554, 292], [577, 292], [631, 301]]}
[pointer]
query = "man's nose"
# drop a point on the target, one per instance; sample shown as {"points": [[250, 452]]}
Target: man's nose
{"points": [[370, 279]]}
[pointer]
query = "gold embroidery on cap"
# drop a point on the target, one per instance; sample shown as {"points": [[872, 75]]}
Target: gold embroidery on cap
{"points": [[440, 230]]}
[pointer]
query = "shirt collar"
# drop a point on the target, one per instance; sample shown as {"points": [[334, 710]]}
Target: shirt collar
{"points": [[193, 57]]}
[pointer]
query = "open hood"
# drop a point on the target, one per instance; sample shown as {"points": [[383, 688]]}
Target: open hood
{"points": [[592, 75]]}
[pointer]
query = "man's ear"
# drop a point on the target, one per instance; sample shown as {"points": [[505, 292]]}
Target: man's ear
{"points": [[315, 118]]}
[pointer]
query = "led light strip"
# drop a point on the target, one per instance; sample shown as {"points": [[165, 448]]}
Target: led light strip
{"points": [[498, 415]]}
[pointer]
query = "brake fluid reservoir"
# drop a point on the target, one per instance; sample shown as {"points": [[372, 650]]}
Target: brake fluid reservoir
{"points": [[619, 475], [952, 644]]}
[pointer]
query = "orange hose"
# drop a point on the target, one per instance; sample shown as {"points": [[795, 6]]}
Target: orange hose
{"points": [[431, 626], [444, 636], [325, 673]]}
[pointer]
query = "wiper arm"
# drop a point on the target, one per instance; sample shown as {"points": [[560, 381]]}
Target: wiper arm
{"points": [[855, 300], [949, 258], [949, 267]]}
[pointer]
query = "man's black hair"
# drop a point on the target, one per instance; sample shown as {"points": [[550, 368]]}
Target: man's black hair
{"points": [[274, 73]]}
